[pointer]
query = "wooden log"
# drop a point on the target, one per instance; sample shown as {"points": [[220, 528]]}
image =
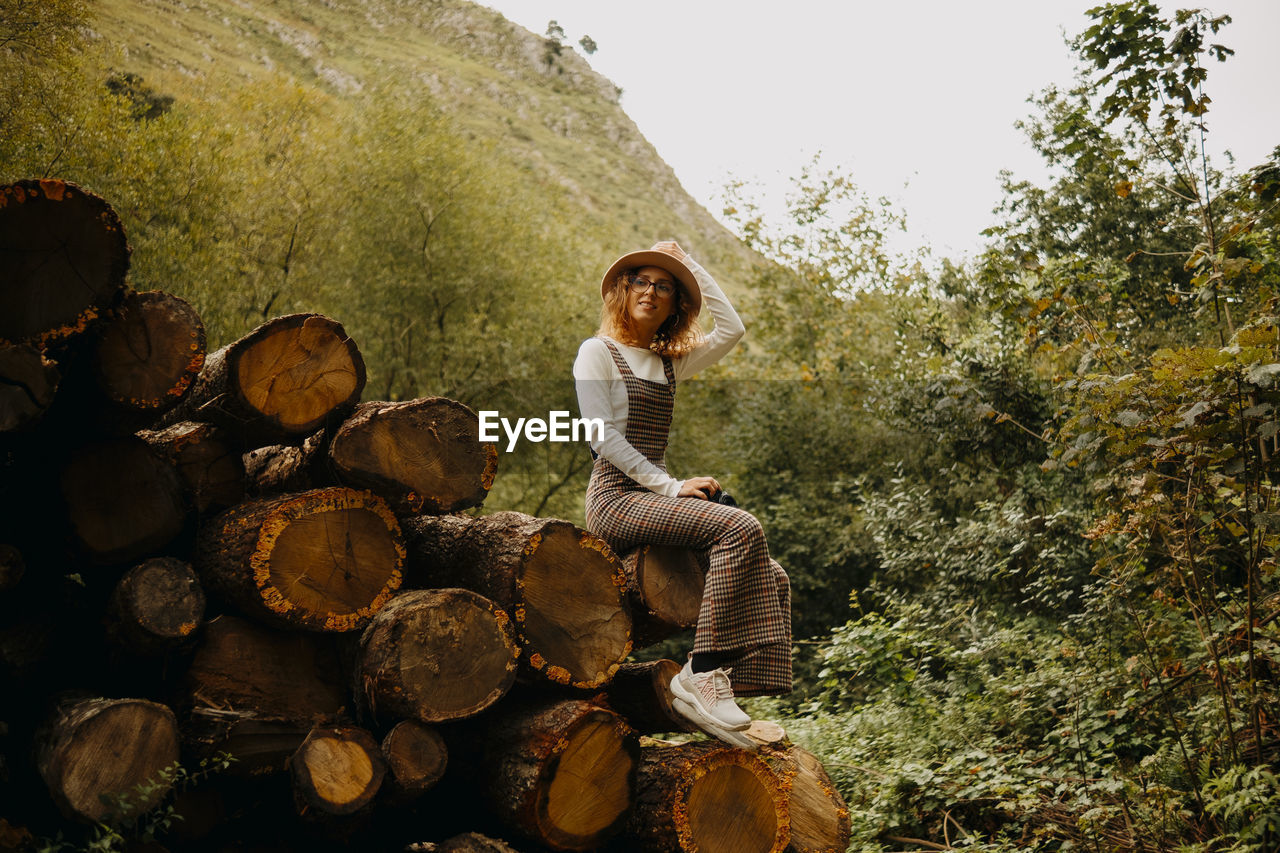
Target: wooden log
{"points": [[12, 567], [562, 586], [64, 256], [147, 354], [124, 500], [707, 797], [324, 560], [280, 468], [210, 466], [421, 455], [467, 842], [28, 383], [281, 382], [561, 773], [436, 655], [417, 758], [336, 772], [156, 607], [818, 816], [641, 694], [256, 692], [664, 585], [94, 751]]}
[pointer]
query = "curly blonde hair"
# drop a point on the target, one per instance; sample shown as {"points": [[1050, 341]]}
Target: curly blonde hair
{"points": [[678, 335]]}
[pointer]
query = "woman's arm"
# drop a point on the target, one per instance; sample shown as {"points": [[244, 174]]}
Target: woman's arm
{"points": [[723, 338], [602, 394]]}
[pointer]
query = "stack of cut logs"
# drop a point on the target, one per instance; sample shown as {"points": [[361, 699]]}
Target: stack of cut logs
{"points": [[228, 554]]}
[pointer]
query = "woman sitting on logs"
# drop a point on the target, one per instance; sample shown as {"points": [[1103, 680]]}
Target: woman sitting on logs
{"points": [[626, 375]]}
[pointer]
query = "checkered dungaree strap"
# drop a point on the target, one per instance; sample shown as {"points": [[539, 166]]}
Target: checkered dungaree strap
{"points": [[649, 408]]}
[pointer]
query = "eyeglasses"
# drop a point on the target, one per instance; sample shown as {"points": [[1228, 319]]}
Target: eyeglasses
{"points": [[639, 284]]}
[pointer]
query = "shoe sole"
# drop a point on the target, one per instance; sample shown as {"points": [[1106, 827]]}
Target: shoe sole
{"points": [[679, 691], [690, 713]]}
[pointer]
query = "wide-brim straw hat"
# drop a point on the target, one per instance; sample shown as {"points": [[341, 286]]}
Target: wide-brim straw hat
{"points": [[656, 258]]}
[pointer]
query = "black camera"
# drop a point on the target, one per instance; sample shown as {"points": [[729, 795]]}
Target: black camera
{"points": [[723, 497]]}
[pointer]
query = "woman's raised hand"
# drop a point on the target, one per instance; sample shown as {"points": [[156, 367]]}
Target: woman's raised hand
{"points": [[671, 247], [699, 487]]}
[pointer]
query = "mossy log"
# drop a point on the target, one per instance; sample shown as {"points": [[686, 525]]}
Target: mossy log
{"points": [[211, 468], [336, 772], [64, 256], [562, 586], [421, 456], [560, 773], [283, 381], [665, 585], [28, 384], [156, 607], [147, 353], [324, 560], [92, 752], [707, 797], [436, 655], [124, 500]]}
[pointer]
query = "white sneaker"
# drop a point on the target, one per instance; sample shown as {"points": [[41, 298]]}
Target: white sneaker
{"points": [[737, 739], [710, 695]]}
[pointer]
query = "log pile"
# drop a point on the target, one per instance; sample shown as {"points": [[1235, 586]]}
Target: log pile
{"points": [[226, 561]]}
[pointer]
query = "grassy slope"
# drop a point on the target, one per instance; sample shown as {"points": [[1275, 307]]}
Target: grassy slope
{"points": [[560, 124]]}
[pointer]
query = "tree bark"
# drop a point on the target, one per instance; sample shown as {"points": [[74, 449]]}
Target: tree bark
{"points": [[560, 773], [148, 353], [819, 818], [641, 694], [707, 797], [256, 692], [211, 468], [156, 607], [562, 586], [336, 772], [324, 560], [421, 456], [65, 257], [124, 501], [28, 383], [436, 655], [467, 842], [664, 584], [280, 468], [284, 380], [93, 751], [417, 758]]}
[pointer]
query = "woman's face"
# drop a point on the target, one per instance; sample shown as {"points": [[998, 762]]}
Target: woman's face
{"points": [[649, 309]]}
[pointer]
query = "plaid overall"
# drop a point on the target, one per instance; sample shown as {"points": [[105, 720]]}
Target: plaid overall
{"points": [[746, 604]]}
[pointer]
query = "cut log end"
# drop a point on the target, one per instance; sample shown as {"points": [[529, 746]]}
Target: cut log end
{"points": [[416, 755], [592, 786], [157, 605], [574, 611], [149, 352], [336, 771]]}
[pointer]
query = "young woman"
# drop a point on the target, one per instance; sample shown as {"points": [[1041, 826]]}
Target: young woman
{"points": [[626, 375]]}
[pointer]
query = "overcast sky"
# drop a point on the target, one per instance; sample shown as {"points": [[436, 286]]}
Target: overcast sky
{"points": [[916, 100]]}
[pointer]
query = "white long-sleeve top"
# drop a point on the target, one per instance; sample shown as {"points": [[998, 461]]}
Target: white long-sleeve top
{"points": [[602, 393]]}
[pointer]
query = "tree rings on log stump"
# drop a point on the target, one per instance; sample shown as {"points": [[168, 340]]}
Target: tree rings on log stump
{"points": [[436, 655], [95, 751], [336, 771], [665, 583], [563, 587], [417, 757], [156, 606], [124, 500], [420, 455], [149, 352], [709, 798], [641, 694], [28, 382], [210, 467], [323, 560], [65, 257], [562, 774], [284, 380]]}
